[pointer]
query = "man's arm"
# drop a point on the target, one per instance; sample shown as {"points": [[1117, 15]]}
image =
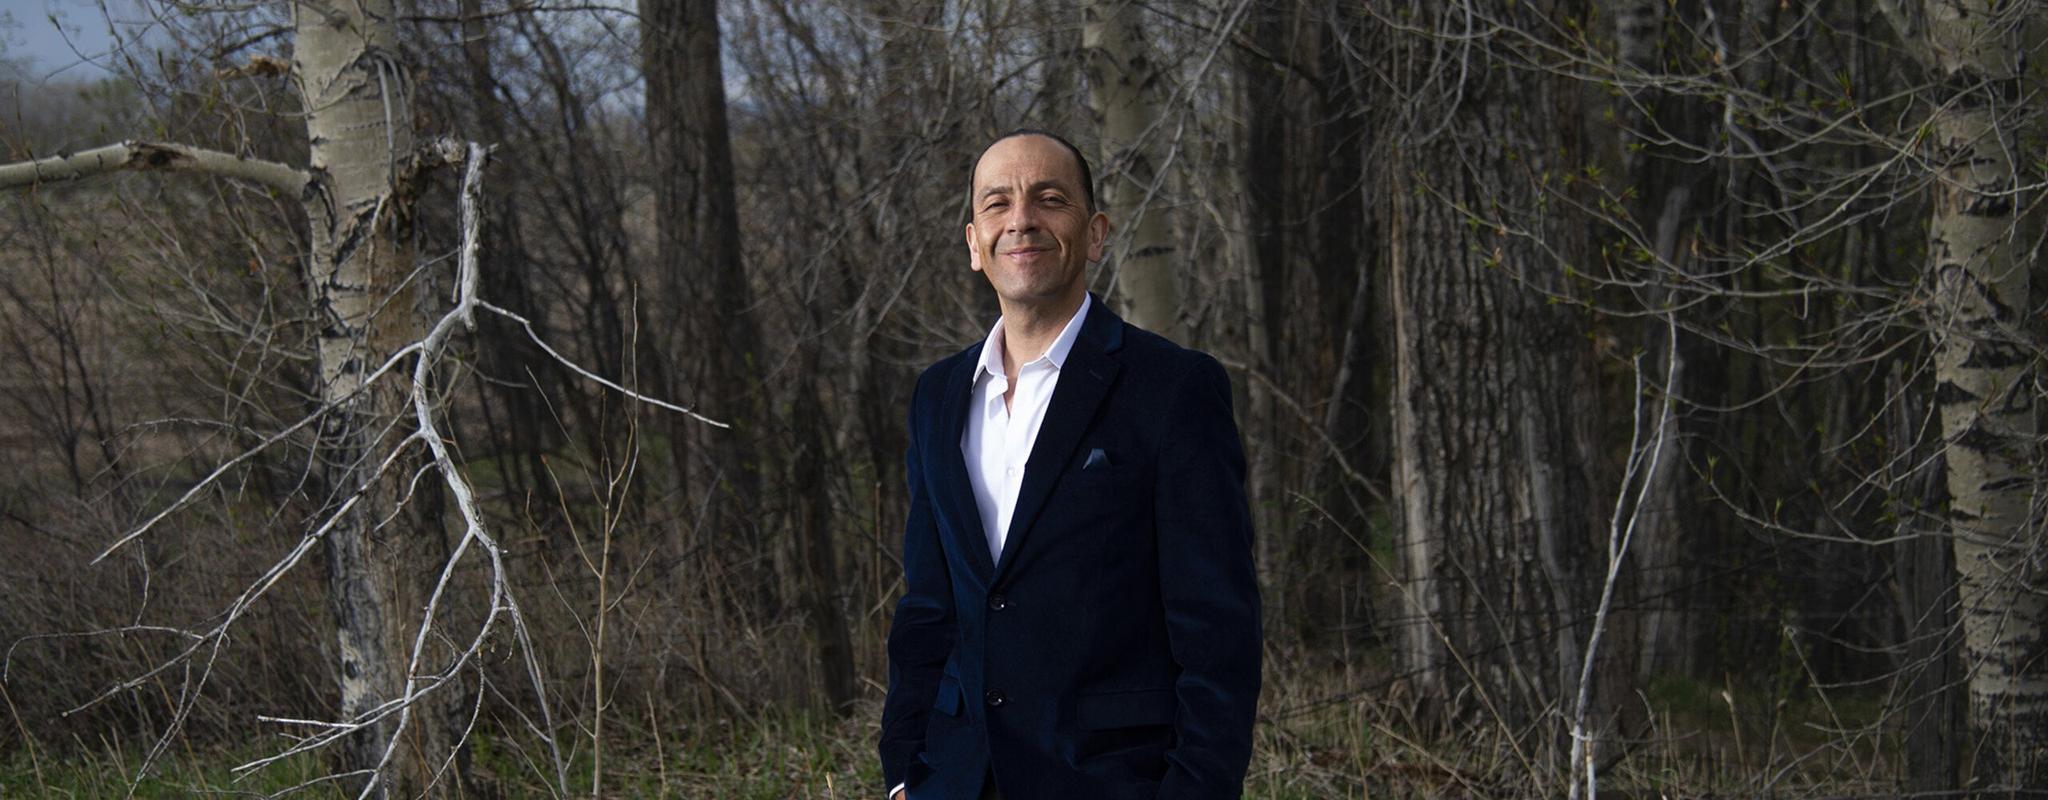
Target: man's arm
{"points": [[1209, 587], [921, 634]]}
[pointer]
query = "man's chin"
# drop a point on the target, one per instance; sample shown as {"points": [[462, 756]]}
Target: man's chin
{"points": [[1037, 298]]}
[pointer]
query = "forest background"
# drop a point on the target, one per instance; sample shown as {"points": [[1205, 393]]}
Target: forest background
{"points": [[486, 398]]}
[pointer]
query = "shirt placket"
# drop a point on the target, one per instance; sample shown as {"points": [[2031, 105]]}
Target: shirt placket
{"points": [[1017, 437], [996, 432]]}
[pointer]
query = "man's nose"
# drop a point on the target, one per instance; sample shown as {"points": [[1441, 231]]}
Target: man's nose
{"points": [[1022, 219]]}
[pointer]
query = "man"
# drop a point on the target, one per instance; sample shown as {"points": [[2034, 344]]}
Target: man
{"points": [[1082, 618]]}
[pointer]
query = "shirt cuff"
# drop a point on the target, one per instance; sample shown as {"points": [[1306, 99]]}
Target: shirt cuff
{"points": [[898, 788]]}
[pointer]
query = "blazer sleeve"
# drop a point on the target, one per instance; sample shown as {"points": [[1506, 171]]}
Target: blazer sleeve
{"points": [[922, 632], [1209, 588]]}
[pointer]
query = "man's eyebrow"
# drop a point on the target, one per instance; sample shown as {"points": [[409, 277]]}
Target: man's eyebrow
{"points": [[1036, 187]]}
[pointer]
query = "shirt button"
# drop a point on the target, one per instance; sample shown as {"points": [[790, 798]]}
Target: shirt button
{"points": [[995, 698], [998, 603]]}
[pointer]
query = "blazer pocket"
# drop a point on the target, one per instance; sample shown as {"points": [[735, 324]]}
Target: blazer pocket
{"points": [[947, 701], [1120, 475], [1128, 709]]}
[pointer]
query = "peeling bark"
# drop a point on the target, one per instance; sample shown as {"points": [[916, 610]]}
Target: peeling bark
{"points": [[352, 78]]}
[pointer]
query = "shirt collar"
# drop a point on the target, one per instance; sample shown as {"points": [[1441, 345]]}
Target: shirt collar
{"points": [[992, 348]]}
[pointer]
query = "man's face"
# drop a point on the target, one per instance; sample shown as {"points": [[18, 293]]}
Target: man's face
{"points": [[1031, 233]]}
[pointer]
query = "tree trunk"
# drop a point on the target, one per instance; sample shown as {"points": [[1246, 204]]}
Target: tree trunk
{"points": [[365, 304], [359, 121], [705, 294], [823, 585], [1123, 82], [1660, 569], [1667, 549], [1925, 569], [1491, 401], [1352, 419], [1979, 264], [1263, 205]]}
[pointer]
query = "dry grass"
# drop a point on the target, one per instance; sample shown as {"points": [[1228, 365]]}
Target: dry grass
{"points": [[1334, 731]]}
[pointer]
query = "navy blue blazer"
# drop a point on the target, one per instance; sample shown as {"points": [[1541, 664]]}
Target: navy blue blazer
{"points": [[1114, 653]]}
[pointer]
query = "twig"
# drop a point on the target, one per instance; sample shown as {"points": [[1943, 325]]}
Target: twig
{"points": [[601, 380], [1618, 539]]}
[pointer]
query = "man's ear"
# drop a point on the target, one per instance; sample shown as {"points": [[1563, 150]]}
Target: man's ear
{"points": [[973, 252], [1098, 233]]}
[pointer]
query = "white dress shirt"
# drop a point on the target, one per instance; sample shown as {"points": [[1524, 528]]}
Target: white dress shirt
{"points": [[997, 440]]}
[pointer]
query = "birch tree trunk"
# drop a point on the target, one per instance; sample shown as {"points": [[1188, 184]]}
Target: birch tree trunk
{"points": [[363, 297], [1491, 399], [359, 122], [1979, 264], [1123, 84]]}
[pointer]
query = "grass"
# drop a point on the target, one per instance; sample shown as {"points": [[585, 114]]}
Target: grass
{"points": [[1340, 734], [110, 770]]}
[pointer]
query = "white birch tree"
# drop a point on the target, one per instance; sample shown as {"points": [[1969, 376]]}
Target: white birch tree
{"points": [[1979, 261], [364, 171], [1124, 80]]}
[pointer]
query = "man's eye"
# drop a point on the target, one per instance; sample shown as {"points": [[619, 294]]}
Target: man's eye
{"points": [[1052, 200], [995, 205]]}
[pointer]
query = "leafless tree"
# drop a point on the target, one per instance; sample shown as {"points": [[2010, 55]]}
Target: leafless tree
{"points": [[1592, 354]]}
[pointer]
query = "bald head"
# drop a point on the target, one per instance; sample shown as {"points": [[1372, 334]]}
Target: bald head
{"points": [[1083, 178]]}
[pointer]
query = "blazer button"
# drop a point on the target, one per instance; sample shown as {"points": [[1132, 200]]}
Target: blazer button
{"points": [[995, 698], [998, 603]]}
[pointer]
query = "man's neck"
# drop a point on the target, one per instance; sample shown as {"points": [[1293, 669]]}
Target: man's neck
{"points": [[1029, 331]]}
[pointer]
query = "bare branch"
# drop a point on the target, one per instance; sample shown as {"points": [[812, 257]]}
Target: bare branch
{"points": [[578, 368], [138, 155], [1641, 471]]}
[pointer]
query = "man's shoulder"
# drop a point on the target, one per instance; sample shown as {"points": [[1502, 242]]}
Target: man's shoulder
{"points": [[946, 367], [943, 367], [1163, 358]]}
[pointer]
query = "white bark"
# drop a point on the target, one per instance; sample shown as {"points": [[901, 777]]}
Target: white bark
{"points": [[136, 155], [359, 117], [1978, 256], [1122, 78]]}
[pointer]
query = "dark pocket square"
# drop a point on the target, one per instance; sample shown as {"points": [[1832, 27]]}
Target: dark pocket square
{"points": [[1096, 458]]}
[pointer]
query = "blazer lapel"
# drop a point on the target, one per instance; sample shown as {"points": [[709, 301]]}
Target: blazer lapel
{"points": [[1084, 382], [951, 484]]}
